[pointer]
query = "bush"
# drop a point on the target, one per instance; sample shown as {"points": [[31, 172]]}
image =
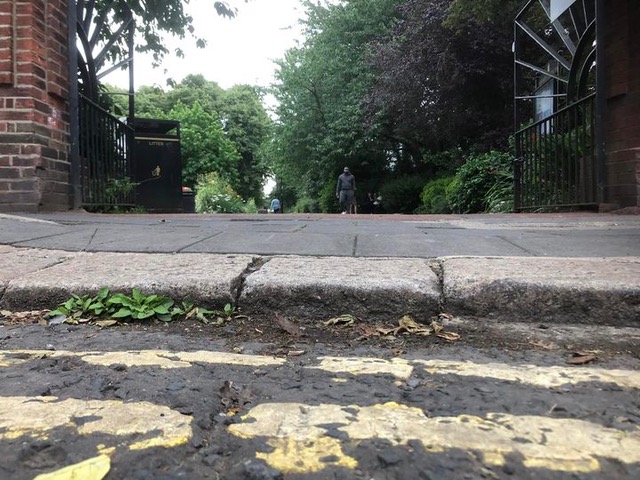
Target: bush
{"points": [[434, 196], [306, 205], [328, 203], [476, 183], [214, 195], [402, 195]]}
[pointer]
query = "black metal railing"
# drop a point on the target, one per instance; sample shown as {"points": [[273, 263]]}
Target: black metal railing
{"points": [[556, 161], [105, 147]]}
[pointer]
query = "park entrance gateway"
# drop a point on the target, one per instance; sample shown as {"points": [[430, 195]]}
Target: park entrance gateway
{"points": [[557, 107]]}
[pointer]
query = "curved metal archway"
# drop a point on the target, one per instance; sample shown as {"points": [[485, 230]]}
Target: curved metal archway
{"points": [[555, 83]]}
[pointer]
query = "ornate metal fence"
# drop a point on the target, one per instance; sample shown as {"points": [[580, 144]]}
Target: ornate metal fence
{"points": [[106, 157], [101, 36], [556, 159]]}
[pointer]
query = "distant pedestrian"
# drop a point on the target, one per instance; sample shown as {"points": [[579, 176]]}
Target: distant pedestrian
{"points": [[275, 205], [346, 191]]}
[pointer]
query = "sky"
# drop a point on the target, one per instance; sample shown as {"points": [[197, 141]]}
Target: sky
{"points": [[240, 50]]}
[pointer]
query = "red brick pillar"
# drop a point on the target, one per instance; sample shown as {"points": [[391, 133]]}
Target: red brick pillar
{"points": [[622, 117], [34, 119]]}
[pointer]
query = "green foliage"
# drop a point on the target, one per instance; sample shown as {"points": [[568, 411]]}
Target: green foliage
{"points": [[402, 195], [248, 126], [223, 131], [82, 306], [434, 196], [205, 147], [215, 195], [137, 306], [320, 86], [117, 188], [482, 11], [153, 19], [327, 201], [472, 190], [306, 205]]}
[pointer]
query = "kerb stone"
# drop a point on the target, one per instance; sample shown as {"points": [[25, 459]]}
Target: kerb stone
{"points": [[323, 287]]}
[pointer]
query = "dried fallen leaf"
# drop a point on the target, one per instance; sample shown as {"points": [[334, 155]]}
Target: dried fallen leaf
{"points": [[366, 331], [440, 332], [105, 323], [581, 358], [408, 326], [344, 320], [287, 325], [295, 353]]}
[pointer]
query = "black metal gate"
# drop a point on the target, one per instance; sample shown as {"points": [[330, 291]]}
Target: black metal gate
{"points": [[100, 41], [557, 139]]}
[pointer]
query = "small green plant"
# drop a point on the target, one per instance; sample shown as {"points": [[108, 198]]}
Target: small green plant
{"points": [[139, 306], [78, 306], [119, 188], [228, 311]]}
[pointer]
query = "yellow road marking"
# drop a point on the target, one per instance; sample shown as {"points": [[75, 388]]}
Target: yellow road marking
{"points": [[35, 417], [157, 358], [556, 444], [397, 367], [538, 376], [91, 469]]}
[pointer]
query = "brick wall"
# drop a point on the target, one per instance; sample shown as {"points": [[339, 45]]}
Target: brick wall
{"points": [[622, 117], [34, 120]]}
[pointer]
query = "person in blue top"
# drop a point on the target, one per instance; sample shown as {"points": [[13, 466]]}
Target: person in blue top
{"points": [[275, 205]]}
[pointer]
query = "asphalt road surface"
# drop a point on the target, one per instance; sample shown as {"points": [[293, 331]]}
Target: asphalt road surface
{"points": [[179, 401]]}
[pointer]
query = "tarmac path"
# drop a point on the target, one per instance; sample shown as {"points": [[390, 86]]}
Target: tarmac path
{"points": [[152, 404]]}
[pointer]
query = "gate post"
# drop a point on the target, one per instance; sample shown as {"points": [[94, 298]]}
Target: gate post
{"points": [[34, 115]]}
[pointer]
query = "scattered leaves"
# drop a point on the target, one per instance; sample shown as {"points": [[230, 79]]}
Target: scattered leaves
{"points": [[105, 323], [31, 316], [580, 358], [408, 326], [287, 325], [344, 320]]}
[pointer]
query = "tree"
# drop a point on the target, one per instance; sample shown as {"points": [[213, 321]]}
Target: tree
{"points": [[248, 126], [153, 18], [320, 86], [205, 147], [237, 118], [439, 87]]}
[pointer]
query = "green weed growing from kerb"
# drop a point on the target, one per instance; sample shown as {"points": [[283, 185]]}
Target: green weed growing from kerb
{"points": [[133, 307]]}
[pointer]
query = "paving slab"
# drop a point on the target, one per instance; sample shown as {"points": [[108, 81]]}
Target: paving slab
{"points": [[323, 287], [573, 290], [206, 279], [17, 262]]}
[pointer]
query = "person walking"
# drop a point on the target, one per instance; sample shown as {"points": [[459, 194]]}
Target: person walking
{"points": [[275, 205], [346, 190]]}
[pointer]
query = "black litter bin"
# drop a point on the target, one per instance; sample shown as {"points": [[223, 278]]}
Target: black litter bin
{"points": [[188, 200], [158, 171]]}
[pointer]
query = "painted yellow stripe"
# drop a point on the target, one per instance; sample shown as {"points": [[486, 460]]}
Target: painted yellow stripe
{"points": [[538, 376], [295, 432], [158, 358], [535, 375], [397, 367]]}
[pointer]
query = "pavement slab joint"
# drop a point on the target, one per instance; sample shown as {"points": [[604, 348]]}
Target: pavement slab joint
{"points": [[238, 283]]}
